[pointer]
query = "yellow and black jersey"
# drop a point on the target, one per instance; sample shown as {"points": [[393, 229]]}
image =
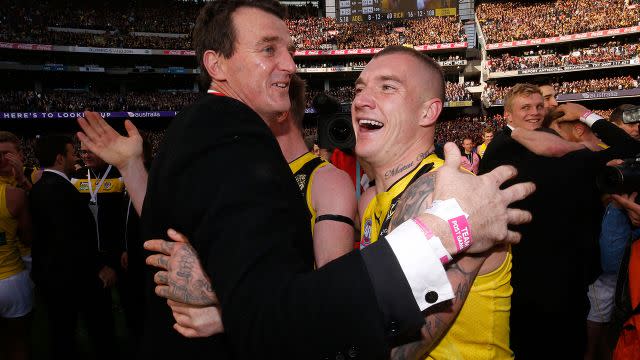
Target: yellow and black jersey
{"points": [[484, 316], [10, 261], [303, 169], [378, 214]]}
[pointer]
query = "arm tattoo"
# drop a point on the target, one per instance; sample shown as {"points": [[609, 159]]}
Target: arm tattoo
{"points": [[439, 317], [414, 199]]}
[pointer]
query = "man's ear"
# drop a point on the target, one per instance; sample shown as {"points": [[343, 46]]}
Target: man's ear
{"points": [[214, 63], [59, 159], [430, 112]]}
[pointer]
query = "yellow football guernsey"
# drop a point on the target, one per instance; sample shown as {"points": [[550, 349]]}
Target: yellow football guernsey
{"points": [[11, 181], [481, 330], [303, 169], [10, 261], [481, 149], [379, 211]]}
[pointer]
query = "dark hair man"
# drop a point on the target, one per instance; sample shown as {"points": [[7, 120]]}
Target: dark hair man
{"points": [[245, 223], [66, 261], [487, 136], [616, 118]]}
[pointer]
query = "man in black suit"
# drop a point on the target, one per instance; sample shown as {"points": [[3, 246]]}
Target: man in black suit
{"points": [[221, 179], [558, 257], [67, 267]]}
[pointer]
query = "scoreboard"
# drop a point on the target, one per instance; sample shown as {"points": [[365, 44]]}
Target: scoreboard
{"points": [[375, 10]]}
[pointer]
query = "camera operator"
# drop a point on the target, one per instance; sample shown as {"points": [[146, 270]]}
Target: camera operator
{"points": [[629, 125]]}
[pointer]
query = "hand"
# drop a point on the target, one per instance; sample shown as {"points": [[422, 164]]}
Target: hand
{"points": [[628, 201], [572, 111], [108, 276], [115, 149], [196, 321], [16, 166], [124, 260], [481, 198], [182, 278]]}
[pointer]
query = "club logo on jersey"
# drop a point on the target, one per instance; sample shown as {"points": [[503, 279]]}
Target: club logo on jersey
{"points": [[301, 179], [366, 235]]}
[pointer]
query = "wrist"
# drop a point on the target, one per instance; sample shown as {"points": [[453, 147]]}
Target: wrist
{"points": [[434, 242], [450, 211], [131, 166], [589, 118]]}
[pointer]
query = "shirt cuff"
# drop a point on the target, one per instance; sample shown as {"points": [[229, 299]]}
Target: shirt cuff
{"points": [[589, 118], [422, 268]]}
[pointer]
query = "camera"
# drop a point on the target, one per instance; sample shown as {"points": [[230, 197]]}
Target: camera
{"points": [[631, 116], [335, 130], [621, 179]]}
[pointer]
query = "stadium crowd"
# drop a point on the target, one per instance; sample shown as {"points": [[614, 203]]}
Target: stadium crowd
{"points": [[492, 92], [521, 19], [548, 57]]}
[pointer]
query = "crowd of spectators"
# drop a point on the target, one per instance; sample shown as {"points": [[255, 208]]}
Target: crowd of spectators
{"points": [[29, 21], [74, 101], [492, 92], [457, 129], [595, 53], [511, 20]]}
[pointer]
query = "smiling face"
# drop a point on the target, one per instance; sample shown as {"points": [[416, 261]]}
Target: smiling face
{"points": [[526, 111], [391, 112], [549, 96], [261, 66]]}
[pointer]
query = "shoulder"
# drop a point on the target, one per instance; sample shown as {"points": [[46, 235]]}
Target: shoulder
{"points": [[330, 185]]}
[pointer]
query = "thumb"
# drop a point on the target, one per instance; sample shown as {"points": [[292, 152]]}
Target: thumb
{"points": [[177, 237], [451, 156], [132, 130]]}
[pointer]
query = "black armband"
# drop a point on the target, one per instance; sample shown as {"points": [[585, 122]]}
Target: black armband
{"points": [[333, 217]]}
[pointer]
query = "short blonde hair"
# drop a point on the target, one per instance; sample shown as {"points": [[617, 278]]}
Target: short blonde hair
{"points": [[521, 89]]}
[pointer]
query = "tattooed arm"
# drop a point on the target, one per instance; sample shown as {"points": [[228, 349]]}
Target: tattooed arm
{"points": [[461, 273]]}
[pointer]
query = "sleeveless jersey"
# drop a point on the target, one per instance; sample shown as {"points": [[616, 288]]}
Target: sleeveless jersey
{"points": [[481, 330], [303, 169], [378, 214], [10, 261], [31, 173]]}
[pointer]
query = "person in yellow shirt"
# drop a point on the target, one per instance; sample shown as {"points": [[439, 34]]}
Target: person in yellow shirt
{"points": [[395, 130], [16, 295], [487, 136]]}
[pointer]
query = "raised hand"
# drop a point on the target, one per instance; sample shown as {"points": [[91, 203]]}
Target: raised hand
{"points": [[481, 198], [182, 278], [108, 144]]}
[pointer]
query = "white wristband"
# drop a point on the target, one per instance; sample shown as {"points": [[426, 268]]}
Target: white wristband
{"points": [[450, 211], [589, 118]]}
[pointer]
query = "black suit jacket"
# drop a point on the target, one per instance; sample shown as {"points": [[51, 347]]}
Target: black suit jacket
{"points": [[558, 255], [64, 246], [221, 179]]}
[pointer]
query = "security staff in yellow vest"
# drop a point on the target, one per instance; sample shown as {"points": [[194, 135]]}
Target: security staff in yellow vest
{"points": [[398, 99], [328, 191]]}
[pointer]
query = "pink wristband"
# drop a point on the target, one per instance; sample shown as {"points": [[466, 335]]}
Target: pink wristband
{"points": [[450, 211], [460, 229], [435, 242]]}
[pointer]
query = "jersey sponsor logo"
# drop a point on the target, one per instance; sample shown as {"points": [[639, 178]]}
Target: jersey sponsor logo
{"points": [[366, 235]]}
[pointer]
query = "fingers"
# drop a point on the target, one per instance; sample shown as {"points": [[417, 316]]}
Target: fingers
{"points": [[184, 331], [633, 196], [177, 237], [131, 129], [502, 173], [615, 162], [161, 278], [513, 237], [451, 156], [158, 260], [161, 246], [518, 192], [517, 216]]}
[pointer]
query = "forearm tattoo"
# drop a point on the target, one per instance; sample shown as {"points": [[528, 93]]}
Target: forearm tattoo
{"points": [[439, 317]]}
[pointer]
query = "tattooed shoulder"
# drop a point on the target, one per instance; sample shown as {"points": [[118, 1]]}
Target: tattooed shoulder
{"points": [[415, 199]]}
